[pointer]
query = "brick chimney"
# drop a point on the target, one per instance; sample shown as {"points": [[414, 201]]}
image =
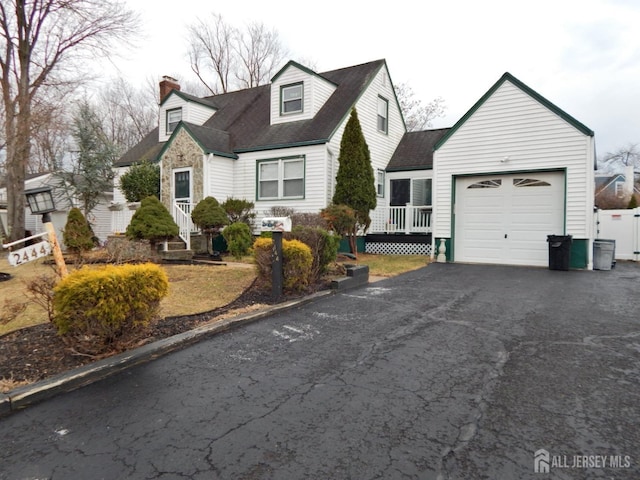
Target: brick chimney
{"points": [[166, 85]]}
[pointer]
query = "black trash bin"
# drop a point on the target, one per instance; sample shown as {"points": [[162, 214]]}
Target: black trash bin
{"points": [[559, 251]]}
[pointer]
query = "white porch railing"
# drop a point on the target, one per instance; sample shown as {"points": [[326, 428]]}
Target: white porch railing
{"points": [[409, 219], [182, 217]]}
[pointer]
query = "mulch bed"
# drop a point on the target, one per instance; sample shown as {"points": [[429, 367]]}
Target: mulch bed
{"points": [[35, 353]]}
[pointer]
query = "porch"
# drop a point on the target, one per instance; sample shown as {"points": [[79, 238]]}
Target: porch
{"points": [[401, 220]]}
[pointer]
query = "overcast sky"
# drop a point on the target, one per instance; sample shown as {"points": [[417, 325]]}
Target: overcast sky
{"points": [[582, 55]]}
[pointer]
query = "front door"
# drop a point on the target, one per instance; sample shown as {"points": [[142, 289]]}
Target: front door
{"points": [[182, 185]]}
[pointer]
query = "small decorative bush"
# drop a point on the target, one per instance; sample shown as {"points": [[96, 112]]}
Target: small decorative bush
{"points": [[140, 181], [152, 221], [239, 210], [296, 263], [324, 247], [101, 307], [210, 217], [77, 234], [238, 237]]}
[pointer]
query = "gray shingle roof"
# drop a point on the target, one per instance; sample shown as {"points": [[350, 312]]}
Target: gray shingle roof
{"points": [[415, 151], [244, 116]]}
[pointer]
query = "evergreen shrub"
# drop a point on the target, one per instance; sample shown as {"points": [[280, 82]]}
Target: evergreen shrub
{"points": [[324, 247], [77, 234], [107, 304], [238, 237]]}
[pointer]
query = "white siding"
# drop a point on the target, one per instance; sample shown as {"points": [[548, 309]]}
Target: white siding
{"points": [[316, 91], [315, 187], [512, 132], [219, 174], [118, 196]]}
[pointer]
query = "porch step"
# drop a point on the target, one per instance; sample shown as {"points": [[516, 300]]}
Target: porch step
{"points": [[174, 255]]}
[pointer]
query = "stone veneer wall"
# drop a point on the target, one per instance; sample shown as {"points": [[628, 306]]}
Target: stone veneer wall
{"points": [[183, 152]]}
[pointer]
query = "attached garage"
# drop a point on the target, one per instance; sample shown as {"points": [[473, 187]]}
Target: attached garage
{"points": [[505, 219], [512, 171]]}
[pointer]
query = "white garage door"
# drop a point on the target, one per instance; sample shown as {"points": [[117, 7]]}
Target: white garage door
{"points": [[505, 219]]}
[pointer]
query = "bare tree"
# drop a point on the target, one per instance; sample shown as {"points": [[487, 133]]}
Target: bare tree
{"points": [[49, 136], [624, 156], [416, 115], [41, 43], [260, 53], [212, 49], [127, 114], [237, 59]]}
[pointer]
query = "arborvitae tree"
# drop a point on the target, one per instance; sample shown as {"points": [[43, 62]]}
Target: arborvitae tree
{"points": [[140, 181], [633, 201], [210, 217], [355, 183], [152, 221], [77, 234]]}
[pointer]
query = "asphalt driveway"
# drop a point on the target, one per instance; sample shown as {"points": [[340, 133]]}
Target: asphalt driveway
{"points": [[449, 372]]}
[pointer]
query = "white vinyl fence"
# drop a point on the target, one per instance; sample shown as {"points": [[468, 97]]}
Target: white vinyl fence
{"points": [[623, 226]]}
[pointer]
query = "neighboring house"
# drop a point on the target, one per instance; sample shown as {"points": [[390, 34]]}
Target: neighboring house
{"points": [[276, 145], [513, 170], [619, 186], [100, 217]]}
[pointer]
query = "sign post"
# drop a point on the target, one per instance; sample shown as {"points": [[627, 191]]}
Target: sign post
{"points": [[276, 225]]}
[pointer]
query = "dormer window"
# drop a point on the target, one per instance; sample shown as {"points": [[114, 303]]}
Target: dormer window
{"points": [[291, 99], [173, 118]]}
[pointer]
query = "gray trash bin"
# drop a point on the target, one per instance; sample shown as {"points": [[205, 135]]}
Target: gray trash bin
{"points": [[604, 254]]}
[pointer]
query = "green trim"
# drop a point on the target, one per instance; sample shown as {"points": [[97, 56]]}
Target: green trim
{"points": [[280, 160], [282, 145], [183, 126], [362, 91], [297, 112], [579, 253], [407, 169], [344, 245], [188, 98], [292, 63], [532, 93]]}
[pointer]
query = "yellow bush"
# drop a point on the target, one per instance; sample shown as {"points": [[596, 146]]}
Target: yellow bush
{"points": [[107, 303], [297, 261]]}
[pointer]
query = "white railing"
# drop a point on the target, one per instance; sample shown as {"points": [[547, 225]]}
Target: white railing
{"points": [[182, 217], [409, 219]]}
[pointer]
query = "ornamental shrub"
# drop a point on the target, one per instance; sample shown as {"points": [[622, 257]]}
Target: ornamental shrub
{"points": [[152, 221], [140, 181], [100, 307], [324, 247], [77, 233], [238, 237], [210, 217], [296, 263], [239, 210]]}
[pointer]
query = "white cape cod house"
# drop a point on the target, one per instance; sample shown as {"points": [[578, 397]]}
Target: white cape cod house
{"points": [[513, 170], [275, 145]]}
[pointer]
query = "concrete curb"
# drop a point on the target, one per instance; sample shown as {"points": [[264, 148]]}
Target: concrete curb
{"points": [[33, 393]]}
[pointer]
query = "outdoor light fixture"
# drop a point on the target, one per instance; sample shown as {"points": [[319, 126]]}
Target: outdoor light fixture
{"points": [[40, 201]]}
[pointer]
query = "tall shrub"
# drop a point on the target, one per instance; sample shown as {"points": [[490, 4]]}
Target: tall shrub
{"points": [[77, 233], [239, 210], [355, 183], [140, 181]]}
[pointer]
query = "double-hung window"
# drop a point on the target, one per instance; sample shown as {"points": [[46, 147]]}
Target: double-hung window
{"points": [[173, 118], [383, 115], [291, 98], [281, 179]]}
